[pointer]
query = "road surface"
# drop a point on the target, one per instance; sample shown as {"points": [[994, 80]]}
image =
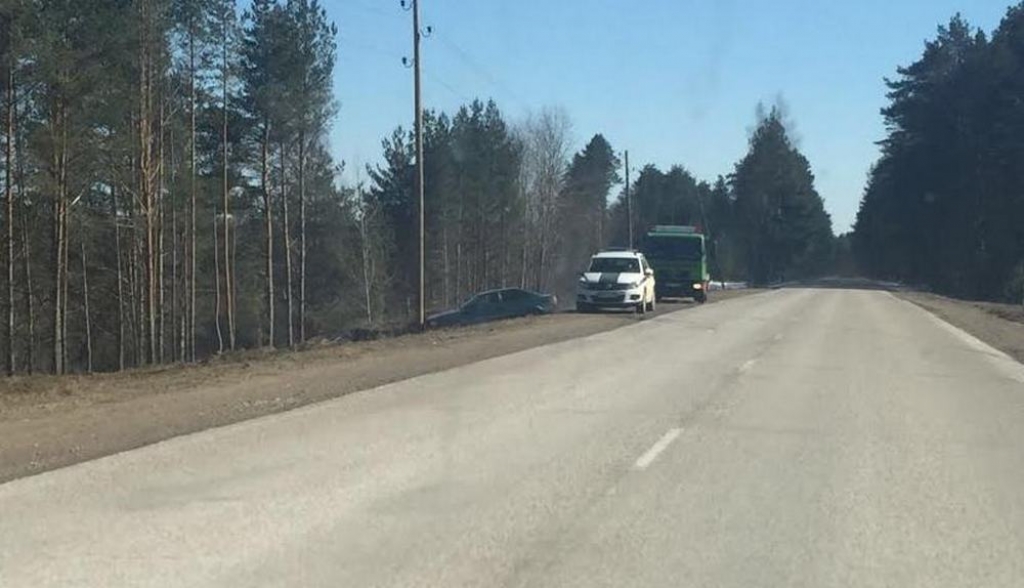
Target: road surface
{"points": [[793, 438]]}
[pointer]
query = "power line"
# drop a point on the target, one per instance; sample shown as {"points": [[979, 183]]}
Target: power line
{"points": [[434, 78], [349, 41], [482, 71], [376, 9]]}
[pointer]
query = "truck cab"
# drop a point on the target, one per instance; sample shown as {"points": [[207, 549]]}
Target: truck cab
{"points": [[678, 256]]}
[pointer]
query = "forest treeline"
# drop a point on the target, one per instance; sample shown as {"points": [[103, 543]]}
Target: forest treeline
{"points": [[168, 192], [944, 205]]}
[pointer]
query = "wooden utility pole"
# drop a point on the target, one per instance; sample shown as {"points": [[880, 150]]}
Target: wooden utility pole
{"points": [[629, 203], [363, 236], [419, 155]]}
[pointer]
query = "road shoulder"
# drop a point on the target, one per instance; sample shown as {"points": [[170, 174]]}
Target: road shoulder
{"points": [[999, 325], [49, 422]]}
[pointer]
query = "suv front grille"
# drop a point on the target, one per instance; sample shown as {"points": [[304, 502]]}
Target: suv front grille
{"points": [[607, 286]]}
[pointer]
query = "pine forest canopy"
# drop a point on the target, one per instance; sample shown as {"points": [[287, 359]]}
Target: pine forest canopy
{"points": [[944, 204], [168, 194]]}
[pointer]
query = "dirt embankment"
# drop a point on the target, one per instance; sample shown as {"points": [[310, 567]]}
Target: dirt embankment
{"points": [[999, 325], [48, 422]]}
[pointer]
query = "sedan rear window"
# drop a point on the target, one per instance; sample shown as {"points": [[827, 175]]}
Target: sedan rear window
{"points": [[514, 295]]}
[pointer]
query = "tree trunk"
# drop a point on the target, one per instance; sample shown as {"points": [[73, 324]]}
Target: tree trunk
{"points": [[29, 310], [363, 240], [458, 268], [58, 234], [85, 305], [9, 196], [504, 249], [445, 284], [65, 271], [216, 275], [229, 287], [120, 281], [268, 217], [175, 355], [58, 121], [138, 295], [302, 237], [287, 248], [161, 171], [146, 177], [190, 254], [526, 245]]}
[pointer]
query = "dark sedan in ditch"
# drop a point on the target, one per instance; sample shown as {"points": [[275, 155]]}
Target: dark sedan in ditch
{"points": [[494, 305]]}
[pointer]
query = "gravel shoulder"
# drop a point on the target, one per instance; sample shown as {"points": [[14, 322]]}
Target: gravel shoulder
{"points": [[48, 422], [999, 325]]}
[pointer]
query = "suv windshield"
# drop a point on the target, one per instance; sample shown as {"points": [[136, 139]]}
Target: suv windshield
{"points": [[615, 265]]}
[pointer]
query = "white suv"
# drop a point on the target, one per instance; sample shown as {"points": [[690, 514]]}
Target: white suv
{"points": [[616, 279]]}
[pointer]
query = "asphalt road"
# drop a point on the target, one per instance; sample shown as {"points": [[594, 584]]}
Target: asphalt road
{"points": [[794, 438]]}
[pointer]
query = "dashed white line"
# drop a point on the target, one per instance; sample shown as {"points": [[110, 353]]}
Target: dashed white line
{"points": [[747, 365], [652, 454]]}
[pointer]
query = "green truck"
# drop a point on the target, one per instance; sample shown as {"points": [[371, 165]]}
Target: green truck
{"points": [[679, 259]]}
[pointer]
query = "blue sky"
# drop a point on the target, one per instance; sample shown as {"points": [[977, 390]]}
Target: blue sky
{"points": [[673, 81]]}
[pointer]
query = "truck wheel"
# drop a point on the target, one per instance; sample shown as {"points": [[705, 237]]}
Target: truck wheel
{"points": [[584, 308], [702, 297]]}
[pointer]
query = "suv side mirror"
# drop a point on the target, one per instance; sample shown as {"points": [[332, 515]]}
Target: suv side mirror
{"points": [[648, 272]]}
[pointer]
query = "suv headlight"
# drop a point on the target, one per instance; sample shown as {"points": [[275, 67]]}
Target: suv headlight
{"points": [[633, 285]]}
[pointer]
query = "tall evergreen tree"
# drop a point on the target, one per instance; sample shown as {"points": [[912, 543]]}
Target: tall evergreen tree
{"points": [[785, 230], [589, 179]]}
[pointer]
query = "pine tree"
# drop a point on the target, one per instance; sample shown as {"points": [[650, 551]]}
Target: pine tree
{"points": [[785, 230]]}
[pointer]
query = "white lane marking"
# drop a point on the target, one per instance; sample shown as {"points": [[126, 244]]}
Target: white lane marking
{"points": [[652, 454], [747, 365]]}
